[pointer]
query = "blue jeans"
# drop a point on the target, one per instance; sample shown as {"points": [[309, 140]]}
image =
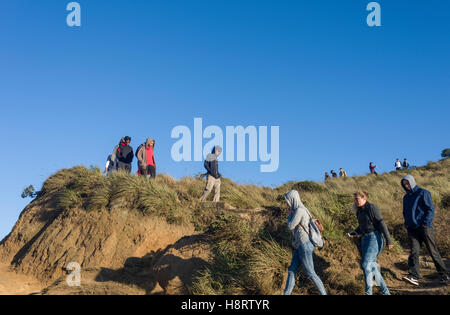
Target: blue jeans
{"points": [[371, 245], [303, 255]]}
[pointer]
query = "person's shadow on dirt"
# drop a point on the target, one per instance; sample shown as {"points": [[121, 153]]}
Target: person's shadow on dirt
{"points": [[136, 272], [159, 267]]}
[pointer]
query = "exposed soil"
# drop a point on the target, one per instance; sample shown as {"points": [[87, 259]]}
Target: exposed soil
{"points": [[12, 283]]}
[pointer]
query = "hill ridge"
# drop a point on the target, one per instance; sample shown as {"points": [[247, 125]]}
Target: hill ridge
{"points": [[132, 235]]}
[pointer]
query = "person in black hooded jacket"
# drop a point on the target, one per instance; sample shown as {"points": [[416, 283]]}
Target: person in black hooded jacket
{"points": [[125, 155]]}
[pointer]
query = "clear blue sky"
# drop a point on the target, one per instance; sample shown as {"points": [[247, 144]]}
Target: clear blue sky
{"points": [[343, 94]]}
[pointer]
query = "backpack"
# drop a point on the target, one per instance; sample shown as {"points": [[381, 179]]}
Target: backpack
{"points": [[315, 231], [137, 150]]}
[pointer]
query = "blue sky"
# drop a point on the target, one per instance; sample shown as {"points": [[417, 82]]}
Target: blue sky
{"points": [[343, 94]]}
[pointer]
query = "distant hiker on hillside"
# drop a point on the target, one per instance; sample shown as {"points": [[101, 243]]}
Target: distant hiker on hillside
{"points": [[124, 155], [298, 223], [213, 180], [418, 212], [333, 173], [371, 229], [372, 168], [342, 173], [405, 164], [110, 165], [327, 176], [111, 161], [146, 158], [398, 165]]}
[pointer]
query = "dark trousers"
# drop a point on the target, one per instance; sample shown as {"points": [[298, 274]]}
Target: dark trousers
{"points": [[416, 238], [124, 166], [149, 170]]}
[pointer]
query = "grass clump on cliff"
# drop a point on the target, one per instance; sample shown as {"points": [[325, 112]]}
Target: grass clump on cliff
{"points": [[88, 189]]}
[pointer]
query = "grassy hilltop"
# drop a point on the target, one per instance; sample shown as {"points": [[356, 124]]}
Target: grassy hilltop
{"points": [[247, 244]]}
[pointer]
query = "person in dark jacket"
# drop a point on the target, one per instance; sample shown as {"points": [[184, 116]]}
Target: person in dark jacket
{"points": [[405, 164], [371, 229], [418, 212], [110, 165], [372, 168], [124, 155], [213, 181]]}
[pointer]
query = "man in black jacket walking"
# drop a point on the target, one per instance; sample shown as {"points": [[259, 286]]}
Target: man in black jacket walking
{"points": [[212, 166], [124, 155]]}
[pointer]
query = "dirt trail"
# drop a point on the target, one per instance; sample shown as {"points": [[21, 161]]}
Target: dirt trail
{"points": [[429, 283], [12, 283]]}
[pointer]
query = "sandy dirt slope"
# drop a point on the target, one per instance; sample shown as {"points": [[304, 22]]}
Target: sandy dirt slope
{"points": [[12, 283]]}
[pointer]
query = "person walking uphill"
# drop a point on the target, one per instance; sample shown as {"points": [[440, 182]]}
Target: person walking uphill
{"points": [[124, 155], [212, 166], [371, 229], [405, 164], [298, 223], [398, 165], [418, 212], [372, 168], [146, 158]]}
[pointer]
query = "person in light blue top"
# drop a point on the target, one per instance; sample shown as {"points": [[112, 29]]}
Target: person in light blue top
{"points": [[298, 223]]}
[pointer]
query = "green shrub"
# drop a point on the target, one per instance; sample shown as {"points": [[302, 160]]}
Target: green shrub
{"points": [[266, 266], [308, 186], [67, 199], [445, 201], [29, 192]]}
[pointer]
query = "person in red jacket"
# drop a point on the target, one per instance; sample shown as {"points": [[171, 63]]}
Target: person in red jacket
{"points": [[146, 158]]}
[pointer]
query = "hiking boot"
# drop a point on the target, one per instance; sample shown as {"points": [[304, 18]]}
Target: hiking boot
{"points": [[444, 279], [411, 279]]}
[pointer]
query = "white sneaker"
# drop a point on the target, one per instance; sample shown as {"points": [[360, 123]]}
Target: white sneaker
{"points": [[412, 280]]}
